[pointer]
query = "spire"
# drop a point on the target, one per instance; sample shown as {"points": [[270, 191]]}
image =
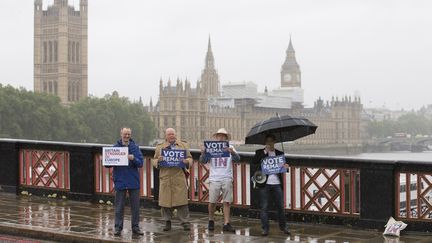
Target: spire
{"points": [[209, 76], [290, 59], [209, 61], [209, 45], [290, 46]]}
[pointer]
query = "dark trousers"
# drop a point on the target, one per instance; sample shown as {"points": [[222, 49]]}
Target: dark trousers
{"points": [[272, 192], [120, 200]]}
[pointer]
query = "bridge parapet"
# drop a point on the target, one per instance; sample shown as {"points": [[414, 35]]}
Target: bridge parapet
{"points": [[325, 189]]}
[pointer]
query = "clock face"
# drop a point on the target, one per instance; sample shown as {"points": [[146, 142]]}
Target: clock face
{"points": [[287, 77]]}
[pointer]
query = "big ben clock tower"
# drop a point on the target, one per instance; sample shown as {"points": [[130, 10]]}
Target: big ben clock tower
{"points": [[290, 71]]}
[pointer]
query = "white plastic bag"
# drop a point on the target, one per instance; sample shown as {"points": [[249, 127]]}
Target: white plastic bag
{"points": [[393, 227]]}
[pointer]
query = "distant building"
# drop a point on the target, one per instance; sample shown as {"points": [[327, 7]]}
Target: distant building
{"points": [[60, 50], [384, 114], [426, 111], [196, 113]]}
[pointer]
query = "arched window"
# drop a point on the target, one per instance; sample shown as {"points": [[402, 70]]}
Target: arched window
{"points": [[72, 91], [55, 52], [69, 51], [73, 52], [77, 93], [50, 87], [44, 52], [69, 91], [77, 52], [55, 87], [50, 51], [45, 86]]}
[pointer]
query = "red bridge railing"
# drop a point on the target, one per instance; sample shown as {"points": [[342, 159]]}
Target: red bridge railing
{"points": [[44, 169], [104, 183], [363, 191], [414, 195], [325, 190]]}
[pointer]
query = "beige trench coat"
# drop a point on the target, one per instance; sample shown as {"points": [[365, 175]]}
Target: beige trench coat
{"points": [[173, 190]]}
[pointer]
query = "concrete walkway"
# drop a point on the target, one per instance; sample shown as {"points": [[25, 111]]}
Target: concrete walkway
{"points": [[70, 221]]}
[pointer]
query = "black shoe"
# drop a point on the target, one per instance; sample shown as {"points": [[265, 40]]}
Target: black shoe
{"points": [[137, 232], [228, 228], [186, 226], [167, 226], [285, 230], [117, 232], [264, 232], [211, 225]]}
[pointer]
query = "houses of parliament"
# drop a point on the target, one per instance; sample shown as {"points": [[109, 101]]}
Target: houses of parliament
{"points": [[60, 68], [197, 112], [60, 49]]}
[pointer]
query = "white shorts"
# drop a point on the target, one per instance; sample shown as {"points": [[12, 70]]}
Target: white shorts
{"points": [[217, 187]]}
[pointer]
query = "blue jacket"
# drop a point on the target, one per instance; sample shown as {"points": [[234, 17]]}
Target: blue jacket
{"points": [[127, 177]]}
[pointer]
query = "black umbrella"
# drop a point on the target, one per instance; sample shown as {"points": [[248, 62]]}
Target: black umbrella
{"points": [[284, 128]]}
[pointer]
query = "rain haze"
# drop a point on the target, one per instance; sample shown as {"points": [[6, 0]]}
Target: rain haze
{"points": [[380, 50]]}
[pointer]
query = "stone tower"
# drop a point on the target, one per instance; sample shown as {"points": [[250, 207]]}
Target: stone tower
{"points": [[290, 71], [60, 50], [209, 76]]}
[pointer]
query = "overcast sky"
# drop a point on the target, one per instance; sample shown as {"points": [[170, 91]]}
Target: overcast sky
{"points": [[381, 50]]}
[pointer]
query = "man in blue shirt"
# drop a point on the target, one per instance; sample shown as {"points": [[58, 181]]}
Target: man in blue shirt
{"points": [[127, 179]]}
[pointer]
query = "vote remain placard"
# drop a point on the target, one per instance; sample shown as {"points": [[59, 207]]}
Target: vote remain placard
{"points": [[216, 149], [273, 165], [173, 158]]}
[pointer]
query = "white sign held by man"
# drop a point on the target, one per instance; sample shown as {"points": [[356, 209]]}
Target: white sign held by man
{"points": [[115, 156]]}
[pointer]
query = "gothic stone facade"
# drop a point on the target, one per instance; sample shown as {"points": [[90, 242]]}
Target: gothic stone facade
{"points": [[60, 50], [189, 111]]}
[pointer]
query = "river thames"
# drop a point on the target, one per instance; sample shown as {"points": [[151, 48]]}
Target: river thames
{"points": [[423, 156]]}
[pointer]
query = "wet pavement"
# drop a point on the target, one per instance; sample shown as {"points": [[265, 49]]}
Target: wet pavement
{"points": [[60, 220], [19, 239]]}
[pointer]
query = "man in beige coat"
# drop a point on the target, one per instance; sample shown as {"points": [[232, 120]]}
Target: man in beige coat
{"points": [[173, 191]]}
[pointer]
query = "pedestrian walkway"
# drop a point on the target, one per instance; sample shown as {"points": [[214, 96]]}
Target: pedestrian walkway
{"points": [[70, 221]]}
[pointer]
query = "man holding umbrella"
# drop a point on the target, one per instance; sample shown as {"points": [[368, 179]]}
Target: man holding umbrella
{"points": [[271, 188], [277, 129]]}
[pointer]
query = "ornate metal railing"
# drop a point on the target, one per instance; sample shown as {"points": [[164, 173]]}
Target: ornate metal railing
{"points": [[199, 187], [44, 168], [414, 196], [104, 178], [325, 190], [363, 192]]}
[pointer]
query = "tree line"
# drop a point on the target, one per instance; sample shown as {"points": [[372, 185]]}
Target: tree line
{"points": [[412, 123], [28, 115]]}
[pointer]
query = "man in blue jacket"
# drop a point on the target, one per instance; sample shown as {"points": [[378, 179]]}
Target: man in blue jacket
{"points": [[127, 179]]}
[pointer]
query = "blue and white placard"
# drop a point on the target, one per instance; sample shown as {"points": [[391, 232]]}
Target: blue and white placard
{"points": [[173, 158], [273, 165], [216, 149]]}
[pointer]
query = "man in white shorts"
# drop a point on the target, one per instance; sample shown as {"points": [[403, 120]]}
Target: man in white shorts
{"points": [[221, 180]]}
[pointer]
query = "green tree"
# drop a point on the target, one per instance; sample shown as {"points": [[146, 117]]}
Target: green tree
{"points": [[28, 115], [411, 123]]}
